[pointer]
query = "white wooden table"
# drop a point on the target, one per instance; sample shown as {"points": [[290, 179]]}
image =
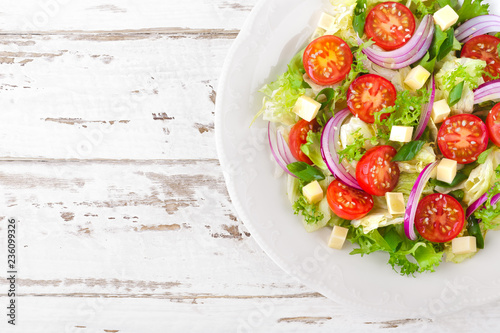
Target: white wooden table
{"points": [[108, 162]]}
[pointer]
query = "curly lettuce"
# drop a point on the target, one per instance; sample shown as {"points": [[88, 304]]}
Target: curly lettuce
{"points": [[282, 94], [405, 256], [455, 71]]}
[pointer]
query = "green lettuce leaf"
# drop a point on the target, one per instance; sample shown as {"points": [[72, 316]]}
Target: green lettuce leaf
{"points": [[402, 251], [490, 213], [312, 148], [281, 95], [407, 181], [471, 9]]}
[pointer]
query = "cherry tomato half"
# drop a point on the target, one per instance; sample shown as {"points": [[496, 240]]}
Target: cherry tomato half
{"points": [[375, 172], [369, 94], [298, 136], [493, 124], [347, 202], [327, 60], [439, 218], [463, 138], [390, 25], [484, 47]]}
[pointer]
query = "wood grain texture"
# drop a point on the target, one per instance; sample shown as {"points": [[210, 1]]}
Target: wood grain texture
{"points": [[107, 159]]}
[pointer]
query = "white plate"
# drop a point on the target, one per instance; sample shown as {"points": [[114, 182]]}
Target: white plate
{"points": [[274, 32]]}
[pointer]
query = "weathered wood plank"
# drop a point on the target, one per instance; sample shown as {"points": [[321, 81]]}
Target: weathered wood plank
{"points": [[121, 98], [47, 15], [75, 314]]}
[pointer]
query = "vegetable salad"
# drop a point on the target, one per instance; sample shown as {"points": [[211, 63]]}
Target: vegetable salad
{"points": [[387, 127]]}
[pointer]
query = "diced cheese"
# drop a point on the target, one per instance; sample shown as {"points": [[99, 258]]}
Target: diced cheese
{"points": [[318, 33], [395, 203], [446, 170], [445, 17], [401, 133], [326, 21], [434, 173], [440, 111], [313, 192], [337, 238], [306, 108], [463, 245], [417, 77]]}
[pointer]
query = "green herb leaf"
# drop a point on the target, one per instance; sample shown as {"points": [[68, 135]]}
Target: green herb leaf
{"points": [[305, 172], [408, 151], [447, 45], [312, 148], [456, 94], [358, 22], [475, 230], [460, 177], [471, 9], [484, 155], [458, 194], [329, 93]]}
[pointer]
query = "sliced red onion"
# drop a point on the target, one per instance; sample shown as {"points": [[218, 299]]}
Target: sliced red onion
{"points": [[475, 205], [479, 25], [426, 112], [279, 148], [331, 134], [414, 198], [489, 91], [480, 202], [409, 53]]}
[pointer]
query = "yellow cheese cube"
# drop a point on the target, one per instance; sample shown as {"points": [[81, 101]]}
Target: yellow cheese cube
{"points": [[337, 238], [401, 133], [395, 203], [445, 17], [440, 111], [306, 108], [318, 33], [446, 170], [313, 192], [463, 245], [417, 77], [326, 21]]}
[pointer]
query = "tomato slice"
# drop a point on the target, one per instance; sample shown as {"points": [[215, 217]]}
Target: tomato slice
{"points": [[493, 124], [298, 136], [463, 138], [484, 47], [327, 60], [439, 218], [369, 94], [390, 25], [347, 202], [375, 172]]}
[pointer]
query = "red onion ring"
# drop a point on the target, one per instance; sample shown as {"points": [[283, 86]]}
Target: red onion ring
{"points": [[331, 133], [476, 26], [414, 50], [279, 148], [480, 202], [426, 112], [414, 198], [487, 91]]}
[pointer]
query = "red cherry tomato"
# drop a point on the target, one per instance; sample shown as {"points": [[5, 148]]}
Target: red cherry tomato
{"points": [[369, 94], [439, 218], [484, 47], [375, 172], [463, 138], [327, 60], [390, 25], [298, 136], [347, 202], [493, 124]]}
